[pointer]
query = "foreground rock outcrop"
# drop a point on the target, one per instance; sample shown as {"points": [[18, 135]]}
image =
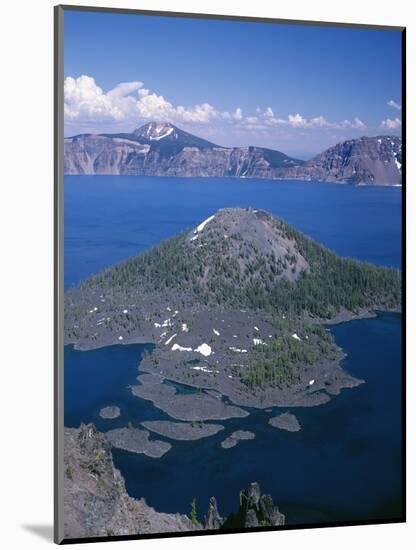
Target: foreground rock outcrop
{"points": [[256, 510], [213, 520], [96, 503], [161, 149]]}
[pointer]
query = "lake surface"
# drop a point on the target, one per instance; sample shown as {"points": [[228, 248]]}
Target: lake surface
{"points": [[345, 463]]}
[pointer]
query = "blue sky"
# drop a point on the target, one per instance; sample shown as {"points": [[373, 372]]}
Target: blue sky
{"points": [[295, 88]]}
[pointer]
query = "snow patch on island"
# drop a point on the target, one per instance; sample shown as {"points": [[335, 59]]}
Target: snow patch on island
{"points": [[203, 224], [204, 369], [258, 342], [167, 323], [169, 340], [177, 347], [237, 350], [204, 349]]}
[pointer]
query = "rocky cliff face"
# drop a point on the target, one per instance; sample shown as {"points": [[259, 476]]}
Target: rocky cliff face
{"points": [[255, 510], [96, 503], [164, 150], [161, 149], [375, 160]]}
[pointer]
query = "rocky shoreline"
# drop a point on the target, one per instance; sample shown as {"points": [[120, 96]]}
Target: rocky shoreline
{"points": [[162, 364], [344, 316], [315, 385]]}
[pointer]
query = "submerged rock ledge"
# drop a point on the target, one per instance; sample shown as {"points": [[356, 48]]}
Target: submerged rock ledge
{"points": [[137, 441], [109, 413], [184, 431], [188, 407], [235, 437], [286, 421]]}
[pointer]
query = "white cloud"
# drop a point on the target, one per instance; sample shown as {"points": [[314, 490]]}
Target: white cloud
{"points": [[251, 120], [299, 121], [391, 123], [356, 123], [395, 105], [85, 101], [319, 122], [200, 113], [153, 106], [253, 123], [124, 89], [130, 103], [238, 114]]}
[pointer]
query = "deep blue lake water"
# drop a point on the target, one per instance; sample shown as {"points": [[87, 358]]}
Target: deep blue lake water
{"points": [[345, 462]]}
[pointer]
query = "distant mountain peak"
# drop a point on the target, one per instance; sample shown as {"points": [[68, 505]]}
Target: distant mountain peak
{"points": [[155, 131], [169, 138]]}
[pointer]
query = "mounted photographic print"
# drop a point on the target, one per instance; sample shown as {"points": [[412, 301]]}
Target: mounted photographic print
{"points": [[229, 294]]}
